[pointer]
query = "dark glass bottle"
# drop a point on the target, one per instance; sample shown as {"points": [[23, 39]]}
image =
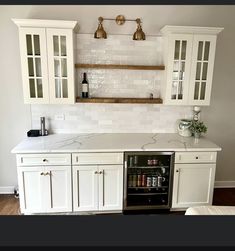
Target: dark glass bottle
{"points": [[85, 86]]}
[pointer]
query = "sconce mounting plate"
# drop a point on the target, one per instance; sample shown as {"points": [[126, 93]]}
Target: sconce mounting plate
{"points": [[120, 19]]}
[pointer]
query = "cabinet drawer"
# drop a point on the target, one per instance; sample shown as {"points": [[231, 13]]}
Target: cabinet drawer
{"points": [[195, 157], [43, 159], [97, 158]]}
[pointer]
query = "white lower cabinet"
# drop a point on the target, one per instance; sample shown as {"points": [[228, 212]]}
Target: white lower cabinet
{"points": [[45, 189], [193, 184], [97, 187]]}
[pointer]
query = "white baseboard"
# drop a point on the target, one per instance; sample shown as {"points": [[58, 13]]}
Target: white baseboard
{"points": [[224, 184], [7, 190]]}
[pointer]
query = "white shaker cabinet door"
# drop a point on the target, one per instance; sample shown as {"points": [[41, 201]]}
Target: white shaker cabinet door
{"points": [[110, 187], [85, 188], [60, 65], [178, 69], [58, 197], [193, 185], [32, 188], [202, 69], [33, 52]]}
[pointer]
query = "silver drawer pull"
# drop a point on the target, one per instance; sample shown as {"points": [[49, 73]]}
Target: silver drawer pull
{"points": [[197, 157], [44, 160]]}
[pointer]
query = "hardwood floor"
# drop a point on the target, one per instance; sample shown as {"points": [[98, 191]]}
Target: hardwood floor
{"points": [[9, 205]]}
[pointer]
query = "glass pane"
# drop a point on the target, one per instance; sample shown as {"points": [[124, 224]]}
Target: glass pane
{"points": [[177, 49], [36, 45], [38, 67], [56, 45], [204, 71], [32, 88], [64, 67], [30, 67], [183, 50], [57, 67], [65, 88], [196, 91], [199, 53], [175, 75], [39, 88], [29, 44], [63, 45], [57, 88], [207, 49], [176, 66], [182, 70], [174, 90], [198, 71], [180, 90], [203, 91]]}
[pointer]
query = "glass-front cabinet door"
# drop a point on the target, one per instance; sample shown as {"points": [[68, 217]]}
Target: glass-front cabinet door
{"points": [[179, 61], [34, 65], [60, 66], [203, 56]]}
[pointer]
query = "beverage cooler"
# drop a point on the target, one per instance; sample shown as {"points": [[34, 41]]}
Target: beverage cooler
{"points": [[148, 180]]}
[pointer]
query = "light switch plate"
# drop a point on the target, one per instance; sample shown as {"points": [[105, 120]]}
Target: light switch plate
{"points": [[59, 117]]}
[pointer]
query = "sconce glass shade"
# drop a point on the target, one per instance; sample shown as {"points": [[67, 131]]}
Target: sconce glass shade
{"points": [[139, 34], [100, 32]]}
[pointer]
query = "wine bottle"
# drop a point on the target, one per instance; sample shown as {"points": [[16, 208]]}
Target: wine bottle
{"points": [[84, 86]]}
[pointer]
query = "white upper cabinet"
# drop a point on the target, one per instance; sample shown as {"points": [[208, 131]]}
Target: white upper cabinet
{"points": [[47, 60], [189, 54]]}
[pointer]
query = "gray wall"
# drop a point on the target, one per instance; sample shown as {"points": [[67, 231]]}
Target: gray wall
{"points": [[15, 116]]}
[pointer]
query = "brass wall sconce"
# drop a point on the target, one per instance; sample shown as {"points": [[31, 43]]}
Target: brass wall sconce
{"points": [[120, 20]]}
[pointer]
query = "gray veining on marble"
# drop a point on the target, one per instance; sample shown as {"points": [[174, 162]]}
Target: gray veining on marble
{"points": [[113, 142]]}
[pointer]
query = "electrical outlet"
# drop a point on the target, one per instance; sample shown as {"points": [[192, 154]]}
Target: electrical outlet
{"points": [[59, 117]]}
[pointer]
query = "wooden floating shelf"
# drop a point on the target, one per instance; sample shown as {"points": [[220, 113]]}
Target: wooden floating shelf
{"points": [[116, 66], [120, 100]]}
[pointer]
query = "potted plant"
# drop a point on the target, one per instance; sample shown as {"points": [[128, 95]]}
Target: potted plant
{"points": [[197, 128]]}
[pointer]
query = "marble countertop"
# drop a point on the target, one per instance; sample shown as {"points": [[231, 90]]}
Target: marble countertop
{"points": [[113, 142]]}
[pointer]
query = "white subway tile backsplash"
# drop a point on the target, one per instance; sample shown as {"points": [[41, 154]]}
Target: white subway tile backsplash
{"points": [[115, 118]]}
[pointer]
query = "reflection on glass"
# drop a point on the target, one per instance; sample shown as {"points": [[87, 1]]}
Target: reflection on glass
{"points": [[206, 51], [29, 44], [182, 70], [180, 90], [65, 88], [39, 88], [176, 66], [199, 53], [183, 50], [57, 88], [174, 90], [177, 49], [63, 45], [57, 67], [198, 71], [30, 67], [203, 90], [56, 45], [196, 91], [64, 67], [32, 88], [175, 75], [204, 71], [38, 67], [36, 45]]}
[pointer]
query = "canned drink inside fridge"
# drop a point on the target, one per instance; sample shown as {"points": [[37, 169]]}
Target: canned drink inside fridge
{"points": [[130, 180], [138, 180], [134, 180], [149, 181], [143, 180], [154, 181]]}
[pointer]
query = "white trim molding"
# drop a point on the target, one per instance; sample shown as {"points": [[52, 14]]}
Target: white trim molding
{"points": [[63, 24], [170, 29], [7, 190], [224, 184]]}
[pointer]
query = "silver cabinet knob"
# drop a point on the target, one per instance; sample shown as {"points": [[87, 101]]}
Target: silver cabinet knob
{"points": [[177, 170], [96, 172], [41, 173], [100, 172], [44, 160], [197, 157]]}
